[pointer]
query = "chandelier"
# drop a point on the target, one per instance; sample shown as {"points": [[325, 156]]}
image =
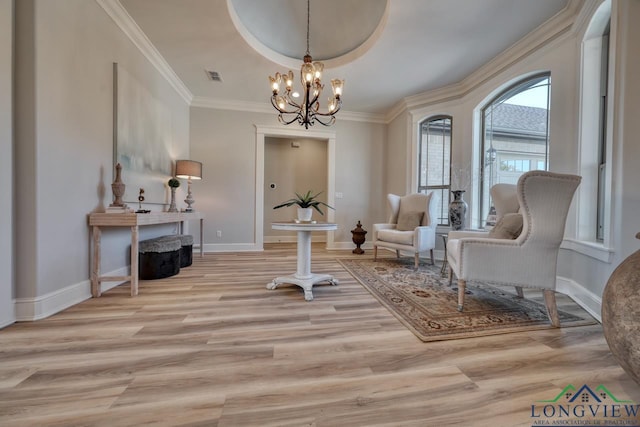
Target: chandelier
{"points": [[307, 111]]}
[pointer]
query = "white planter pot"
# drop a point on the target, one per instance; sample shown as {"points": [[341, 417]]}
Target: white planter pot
{"points": [[305, 214]]}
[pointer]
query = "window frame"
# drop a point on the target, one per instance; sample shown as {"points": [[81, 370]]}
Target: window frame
{"points": [[505, 94], [442, 187], [594, 219]]}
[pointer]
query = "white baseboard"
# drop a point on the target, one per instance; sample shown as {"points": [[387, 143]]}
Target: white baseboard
{"points": [[228, 247], [349, 246], [292, 239], [30, 309], [586, 299]]}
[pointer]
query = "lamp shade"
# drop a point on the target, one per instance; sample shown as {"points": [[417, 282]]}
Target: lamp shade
{"points": [[188, 169]]}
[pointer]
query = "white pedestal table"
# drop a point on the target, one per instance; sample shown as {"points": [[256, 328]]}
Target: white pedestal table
{"points": [[303, 277]]}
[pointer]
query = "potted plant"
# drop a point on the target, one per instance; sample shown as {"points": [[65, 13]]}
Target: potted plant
{"points": [[173, 183], [305, 203]]}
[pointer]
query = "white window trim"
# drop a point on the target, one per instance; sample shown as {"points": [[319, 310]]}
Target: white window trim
{"points": [[585, 242], [595, 250]]}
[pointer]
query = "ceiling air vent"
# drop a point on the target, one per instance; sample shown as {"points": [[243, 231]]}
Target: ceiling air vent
{"points": [[214, 75]]}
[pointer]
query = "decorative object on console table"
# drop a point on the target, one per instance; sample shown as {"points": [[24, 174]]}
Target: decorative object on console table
{"points": [[173, 184], [140, 200], [189, 169], [118, 187], [620, 321], [358, 238], [305, 203]]}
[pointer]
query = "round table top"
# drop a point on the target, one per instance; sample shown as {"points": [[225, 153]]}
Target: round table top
{"points": [[304, 226]]}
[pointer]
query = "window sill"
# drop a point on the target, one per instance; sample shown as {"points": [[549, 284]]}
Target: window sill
{"points": [[591, 249]]}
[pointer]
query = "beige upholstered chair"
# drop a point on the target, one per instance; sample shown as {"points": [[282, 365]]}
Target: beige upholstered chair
{"points": [[530, 260], [411, 226]]}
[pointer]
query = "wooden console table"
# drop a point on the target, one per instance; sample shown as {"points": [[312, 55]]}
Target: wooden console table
{"points": [[134, 221]]}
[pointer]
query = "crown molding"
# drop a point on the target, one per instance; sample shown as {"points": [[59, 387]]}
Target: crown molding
{"points": [[585, 15], [121, 17], [436, 96], [560, 25], [258, 107], [233, 105]]}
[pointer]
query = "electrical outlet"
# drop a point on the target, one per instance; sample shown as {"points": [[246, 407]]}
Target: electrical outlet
{"points": [[219, 233]]}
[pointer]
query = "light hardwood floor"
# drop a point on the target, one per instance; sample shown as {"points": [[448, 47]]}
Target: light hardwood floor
{"points": [[213, 347]]}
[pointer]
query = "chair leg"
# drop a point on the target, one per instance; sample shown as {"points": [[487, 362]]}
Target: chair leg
{"points": [[462, 285], [552, 308], [519, 291], [433, 260], [416, 261], [375, 253], [450, 276], [397, 253]]}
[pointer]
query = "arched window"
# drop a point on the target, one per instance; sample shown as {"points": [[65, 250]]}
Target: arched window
{"points": [[515, 135], [434, 173]]}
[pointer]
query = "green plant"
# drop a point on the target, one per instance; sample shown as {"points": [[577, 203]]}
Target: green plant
{"points": [[174, 183], [305, 201]]}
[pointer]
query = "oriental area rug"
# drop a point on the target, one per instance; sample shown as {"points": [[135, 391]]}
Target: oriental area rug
{"points": [[425, 303]]}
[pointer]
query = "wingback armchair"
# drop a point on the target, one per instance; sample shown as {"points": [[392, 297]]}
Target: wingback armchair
{"points": [[411, 226], [529, 260]]}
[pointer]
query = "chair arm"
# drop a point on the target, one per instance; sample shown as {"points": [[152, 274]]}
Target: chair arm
{"points": [[424, 237], [489, 259], [460, 234], [383, 226]]}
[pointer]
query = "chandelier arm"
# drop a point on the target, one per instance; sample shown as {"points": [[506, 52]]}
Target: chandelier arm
{"points": [[293, 104], [331, 121], [305, 122], [289, 102], [315, 98], [282, 120], [331, 113]]}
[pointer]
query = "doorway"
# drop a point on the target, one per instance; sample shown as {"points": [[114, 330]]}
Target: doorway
{"points": [[292, 166], [264, 132]]}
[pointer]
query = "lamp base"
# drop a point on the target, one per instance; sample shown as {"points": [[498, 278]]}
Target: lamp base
{"points": [[189, 200]]}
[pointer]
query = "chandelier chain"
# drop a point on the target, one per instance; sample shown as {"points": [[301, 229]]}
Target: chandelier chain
{"points": [[308, 21]]}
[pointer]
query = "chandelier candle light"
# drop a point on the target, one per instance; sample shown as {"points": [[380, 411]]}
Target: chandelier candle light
{"points": [[189, 169], [307, 111]]}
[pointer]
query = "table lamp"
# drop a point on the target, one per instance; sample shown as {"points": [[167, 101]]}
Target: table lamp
{"points": [[189, 169]]}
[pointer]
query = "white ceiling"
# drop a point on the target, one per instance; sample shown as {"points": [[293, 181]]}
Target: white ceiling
{"points": [[414, 46]]}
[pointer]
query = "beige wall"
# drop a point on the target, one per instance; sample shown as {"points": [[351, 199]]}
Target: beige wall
{"points": [[64, 145], [6, 164], [397, 156], [225, 141]]}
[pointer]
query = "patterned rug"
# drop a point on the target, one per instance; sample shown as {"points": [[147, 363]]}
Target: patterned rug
{"points": [[427, 305]]}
